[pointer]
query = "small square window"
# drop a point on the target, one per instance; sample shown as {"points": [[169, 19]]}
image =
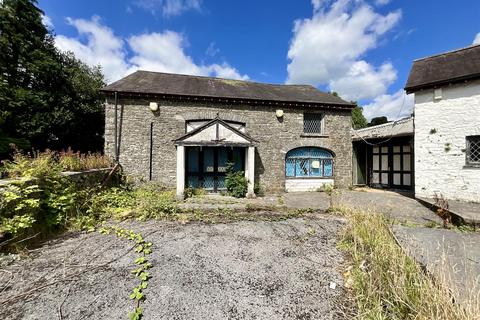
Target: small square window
{"points": [[313, 123], [473, 150]]}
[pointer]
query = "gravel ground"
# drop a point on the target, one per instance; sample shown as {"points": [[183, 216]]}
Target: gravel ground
{"points": [[241, 270]]}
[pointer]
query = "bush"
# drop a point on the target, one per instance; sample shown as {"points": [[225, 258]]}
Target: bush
{"points": [[145, 202], [235, 182], [49, 162]]}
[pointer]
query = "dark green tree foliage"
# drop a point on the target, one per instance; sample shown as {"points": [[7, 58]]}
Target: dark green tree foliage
{"points": [[358, 119], [377, 121], [48, 99]]}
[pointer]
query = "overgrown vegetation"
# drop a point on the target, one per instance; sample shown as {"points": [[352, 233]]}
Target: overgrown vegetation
{"points": [[143, 248], [49, 162], [41, 201], [235, 182], [387, 284]]}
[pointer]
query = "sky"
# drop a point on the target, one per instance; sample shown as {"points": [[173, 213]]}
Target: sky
{"points": [[361, 49]]}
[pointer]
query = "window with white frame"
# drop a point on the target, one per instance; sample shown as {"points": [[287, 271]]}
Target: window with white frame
{"points": [[313, 123], [473, 151]]}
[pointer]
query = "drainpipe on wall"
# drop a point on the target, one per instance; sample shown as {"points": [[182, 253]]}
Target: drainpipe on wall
{"points": [[116, 127]]}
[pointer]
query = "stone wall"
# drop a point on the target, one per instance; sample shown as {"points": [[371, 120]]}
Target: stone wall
{"points": [[441, 127], [276, 137]]}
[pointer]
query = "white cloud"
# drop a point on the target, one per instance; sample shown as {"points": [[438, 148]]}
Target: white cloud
{"points": [[382, 2], [212, 50], [47, 21], [394, 107], [477, 39], [97, 44], [169, 7], [328, 48], [363, 81]]}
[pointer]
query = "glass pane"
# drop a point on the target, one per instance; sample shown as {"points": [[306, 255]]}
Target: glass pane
{"points": [[192, 159], [207, 160], [316, 167], [192, 182], [376, 178], [396, 179], [396, 162], [376, 163], [406, 162], [406, 179], [302, 167], [237, 159], [290, 168], [327, 168], [396, 149], [384, 149], [222, 159], [406, 148], [208, 182], [385, 178], [312, 122], [221, 182], [384, 162]]}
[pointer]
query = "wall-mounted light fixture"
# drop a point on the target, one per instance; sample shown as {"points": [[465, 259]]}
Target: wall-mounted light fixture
{"points": [[153, 106], [279, 113]]}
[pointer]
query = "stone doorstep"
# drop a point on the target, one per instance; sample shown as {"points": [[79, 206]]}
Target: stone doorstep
{"points": [[468, 212]]}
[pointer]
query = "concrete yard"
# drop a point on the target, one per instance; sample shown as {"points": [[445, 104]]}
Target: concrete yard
{"points": [[241, 270], [449, 255]]}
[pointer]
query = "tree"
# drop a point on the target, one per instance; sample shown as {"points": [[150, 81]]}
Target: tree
{"points": [[377, 121], [47, 98], [358, 119]]}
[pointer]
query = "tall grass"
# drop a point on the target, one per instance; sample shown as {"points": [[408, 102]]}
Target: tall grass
{"points": [[39, 163], [388, 284]]}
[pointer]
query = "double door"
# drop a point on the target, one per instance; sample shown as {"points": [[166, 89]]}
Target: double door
{"points": [[391, 166], [206, 166]]}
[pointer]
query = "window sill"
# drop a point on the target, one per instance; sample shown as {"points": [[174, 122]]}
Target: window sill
{"points": [[472, 166], [314, 135], [309, 177]]}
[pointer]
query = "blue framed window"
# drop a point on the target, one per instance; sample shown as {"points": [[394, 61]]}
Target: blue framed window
{"points": [[309, 162]]}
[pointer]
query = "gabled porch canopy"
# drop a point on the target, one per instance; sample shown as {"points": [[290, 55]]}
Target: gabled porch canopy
{"points": [[216, 133]]}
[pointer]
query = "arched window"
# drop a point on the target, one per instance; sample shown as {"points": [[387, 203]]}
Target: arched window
{"points": [[309, 162]]}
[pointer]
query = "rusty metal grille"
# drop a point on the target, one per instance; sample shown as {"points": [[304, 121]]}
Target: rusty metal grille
{"points": [[473, 150], [312, 122]]}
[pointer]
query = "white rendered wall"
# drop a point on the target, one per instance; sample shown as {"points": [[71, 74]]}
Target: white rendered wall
{"points": [[297, 185], [440, 130]]}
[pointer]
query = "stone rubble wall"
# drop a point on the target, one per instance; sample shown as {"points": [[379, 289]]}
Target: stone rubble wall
{"points": [[276, 137]]}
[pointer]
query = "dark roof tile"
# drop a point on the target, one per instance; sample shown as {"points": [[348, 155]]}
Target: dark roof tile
{"points": [[449, 67], [146, 82]]}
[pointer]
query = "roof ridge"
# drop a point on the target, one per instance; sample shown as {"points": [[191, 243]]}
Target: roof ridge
{"points": [[448, 52], [402, 120], [223, 79]]}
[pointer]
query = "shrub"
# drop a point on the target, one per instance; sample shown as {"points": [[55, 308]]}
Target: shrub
{"points": [[235, 182], [40, 164]]}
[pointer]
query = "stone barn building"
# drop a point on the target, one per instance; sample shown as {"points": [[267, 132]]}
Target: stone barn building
{"points": [[182, 131], [447, 124]]}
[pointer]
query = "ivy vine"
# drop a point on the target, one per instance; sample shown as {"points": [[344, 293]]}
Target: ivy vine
{"points": [[143, 248]]}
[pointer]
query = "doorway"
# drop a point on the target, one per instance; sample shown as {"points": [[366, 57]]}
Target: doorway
{"points": [[206, 167]]}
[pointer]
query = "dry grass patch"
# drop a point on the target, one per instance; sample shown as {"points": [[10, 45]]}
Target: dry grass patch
{"points": [[388, 284]]}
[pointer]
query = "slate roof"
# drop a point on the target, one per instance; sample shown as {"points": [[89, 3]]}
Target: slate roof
{"points": [[157, 83], [445, 68]]}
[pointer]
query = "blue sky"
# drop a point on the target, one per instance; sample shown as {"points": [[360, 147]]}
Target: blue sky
{"points": [[363, 49]]}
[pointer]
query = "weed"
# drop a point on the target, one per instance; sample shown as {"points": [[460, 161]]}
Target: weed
{"points": [[386, 282]]}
